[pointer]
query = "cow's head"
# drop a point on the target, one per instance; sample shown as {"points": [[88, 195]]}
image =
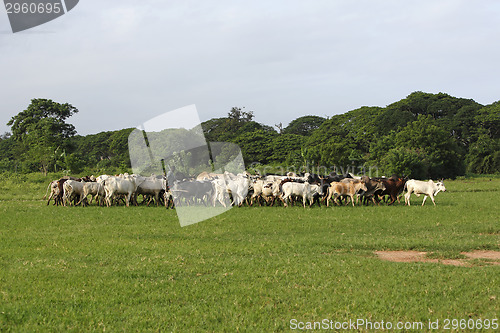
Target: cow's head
{"points": [[440, 186], [318, 188], [380, 186]]}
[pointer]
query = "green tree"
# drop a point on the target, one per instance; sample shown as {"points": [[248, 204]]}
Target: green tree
{"points": [[433, 145], [54, 113], [255, 146], [304, 125], [41, 130], [286, 148], [488, 118], [484, 155], [405, 161], [229, 128], [237, 114]]}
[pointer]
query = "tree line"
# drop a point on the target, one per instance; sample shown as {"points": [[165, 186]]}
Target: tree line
{"points": [[422, 136]]}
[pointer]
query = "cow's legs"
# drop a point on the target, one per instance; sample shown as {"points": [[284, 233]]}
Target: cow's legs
{"points": [[328, 197], [432, 198], [423, 202], [50, 197], [127, 199], [336, 199], [407, 198], [80, 201], [109, 195], [285, 200], [393, 199]]}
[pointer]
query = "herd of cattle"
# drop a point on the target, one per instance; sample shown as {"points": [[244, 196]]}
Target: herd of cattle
{"points": [[215, 189]]}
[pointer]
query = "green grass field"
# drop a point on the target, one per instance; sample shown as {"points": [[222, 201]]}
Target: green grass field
{"points": [[250, 269]]}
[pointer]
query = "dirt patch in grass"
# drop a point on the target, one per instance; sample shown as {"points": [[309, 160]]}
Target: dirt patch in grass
{"points": [[479, 254], [491, 257]]}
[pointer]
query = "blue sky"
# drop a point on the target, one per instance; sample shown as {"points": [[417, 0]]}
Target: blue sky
{"points": [[122, 63]]}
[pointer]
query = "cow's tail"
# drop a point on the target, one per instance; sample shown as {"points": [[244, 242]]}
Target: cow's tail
{"points": [[46, 192]]}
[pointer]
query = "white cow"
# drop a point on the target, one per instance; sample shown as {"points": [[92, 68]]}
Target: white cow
{"points": [[271, 191], [102, 178], [72, 190], [119, 185], [268, 190], [150, 186], [219, 186], [304, 190], [96, 190], [238, 187], [258, 186], [428, 189]]}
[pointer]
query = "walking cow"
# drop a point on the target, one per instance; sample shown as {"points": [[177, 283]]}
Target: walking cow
{"points": [[428, 189]]}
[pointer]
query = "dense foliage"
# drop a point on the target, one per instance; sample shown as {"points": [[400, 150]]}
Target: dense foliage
{"points": [[423, 136]]}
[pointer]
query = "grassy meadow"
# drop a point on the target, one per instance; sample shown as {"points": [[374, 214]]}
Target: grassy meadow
{"points": [[250, 269]]}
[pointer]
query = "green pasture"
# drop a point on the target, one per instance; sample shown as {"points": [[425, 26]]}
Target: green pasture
{"points": [[251, 269]]}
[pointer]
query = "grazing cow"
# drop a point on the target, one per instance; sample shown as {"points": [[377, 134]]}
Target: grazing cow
{"points": [[60, 195], [119, 185], [288, 180], [267, 190], [428, 189], [96, 190], [344, 189], [304, 190], [271, 191], [393, 187], [73, 191], [238, 188], [258, 187], [150, 186]]}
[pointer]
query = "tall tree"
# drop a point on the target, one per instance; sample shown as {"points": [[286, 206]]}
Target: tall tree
{"points": [[239, 115], [303, 125], [422, 141], [41, 129]]}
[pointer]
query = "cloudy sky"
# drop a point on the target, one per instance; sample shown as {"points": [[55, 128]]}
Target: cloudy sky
{"points": [[124, 62]]}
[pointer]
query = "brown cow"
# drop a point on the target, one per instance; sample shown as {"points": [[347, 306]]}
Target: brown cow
{"points": [[344, 189], [393, 187], [59, 198], [60, 195]]}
